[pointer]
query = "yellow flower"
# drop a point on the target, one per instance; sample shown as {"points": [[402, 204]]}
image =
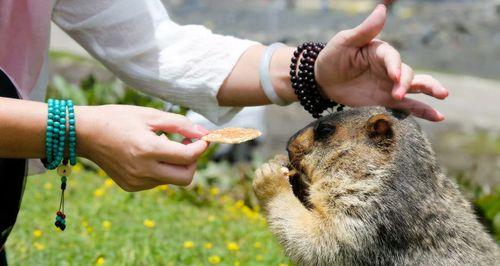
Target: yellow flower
{"points": [[99, 192], [239, 204], [39, 246], [237, 263], [101, 173], [163, 187], [257, 245], [233, 246], [259, 258], [106, 225], [77, 168], [214, 191], [211, 218], [188, 244], [47, 186], [208, 245], [149, 223], [108, 182], [214, 259], [89, 229], [37, 233], [99, 261], [282, 264]]}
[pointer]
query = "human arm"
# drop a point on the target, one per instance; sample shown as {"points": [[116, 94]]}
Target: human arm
{"points": [[192, 67], [354, 69], [120, 139]]}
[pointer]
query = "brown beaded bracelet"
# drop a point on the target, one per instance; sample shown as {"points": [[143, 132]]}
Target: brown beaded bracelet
{"points": [[303, 79]]}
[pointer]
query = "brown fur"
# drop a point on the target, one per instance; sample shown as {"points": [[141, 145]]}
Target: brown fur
{"points": [[366, 190]]}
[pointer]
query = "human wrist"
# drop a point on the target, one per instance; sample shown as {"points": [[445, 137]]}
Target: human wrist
{"points": [[87, 129], [279, 71]]}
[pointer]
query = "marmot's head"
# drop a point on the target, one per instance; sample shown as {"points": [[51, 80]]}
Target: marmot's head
{"points": [[358, 150]]}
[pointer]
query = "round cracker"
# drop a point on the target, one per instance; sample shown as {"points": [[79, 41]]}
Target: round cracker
{"points": [[232, 135]]}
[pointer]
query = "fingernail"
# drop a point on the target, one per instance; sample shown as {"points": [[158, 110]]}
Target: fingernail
{"points": [[202, 130], [440, 116]]}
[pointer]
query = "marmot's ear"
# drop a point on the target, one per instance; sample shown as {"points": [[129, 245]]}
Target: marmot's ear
{"points": [[380, 126]]}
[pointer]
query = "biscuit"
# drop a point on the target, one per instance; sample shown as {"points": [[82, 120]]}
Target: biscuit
{"points": [[232, 135]]}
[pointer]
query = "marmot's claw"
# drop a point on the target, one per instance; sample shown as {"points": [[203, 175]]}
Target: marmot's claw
{"points": [[271, 178]]}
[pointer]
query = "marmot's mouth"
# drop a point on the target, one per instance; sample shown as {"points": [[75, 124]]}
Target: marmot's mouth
{"points": [[300, 186]]}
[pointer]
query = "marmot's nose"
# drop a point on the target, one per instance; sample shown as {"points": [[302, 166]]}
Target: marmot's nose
{"points": [[300, 143]]}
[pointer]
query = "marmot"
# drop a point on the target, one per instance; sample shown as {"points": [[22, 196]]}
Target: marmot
{"points": [[362, 187]]}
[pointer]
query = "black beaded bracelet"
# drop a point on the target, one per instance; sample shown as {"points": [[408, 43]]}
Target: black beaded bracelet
{"points": [[303, 80]]}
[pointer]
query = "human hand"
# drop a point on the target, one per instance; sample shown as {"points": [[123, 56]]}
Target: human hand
{"points": [[355, 69], [122, 140]]}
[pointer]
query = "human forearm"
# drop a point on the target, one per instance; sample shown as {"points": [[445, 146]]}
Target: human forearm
{"points": [[22, 128], [121, 139], [242, 86]]}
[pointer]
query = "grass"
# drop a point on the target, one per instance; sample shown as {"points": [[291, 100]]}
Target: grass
{"points": [[212, 223], [164, 226]]}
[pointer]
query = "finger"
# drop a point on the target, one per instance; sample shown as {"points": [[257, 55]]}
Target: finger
{"points": [[138, 185], [391, 58], [173, 123], [368, 29], [428, 85], [177, 153], [418, 109], [174, 174], [403, 86]]}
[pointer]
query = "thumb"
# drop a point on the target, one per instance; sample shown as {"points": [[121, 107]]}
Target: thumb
{"points": [[368, 29], [173, 123]]}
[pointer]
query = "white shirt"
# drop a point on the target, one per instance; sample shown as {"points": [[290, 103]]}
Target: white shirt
{"points": [[139, 43]]}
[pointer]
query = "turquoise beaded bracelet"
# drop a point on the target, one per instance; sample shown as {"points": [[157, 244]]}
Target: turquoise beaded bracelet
{"points": [[61, 132], [72, 133]]}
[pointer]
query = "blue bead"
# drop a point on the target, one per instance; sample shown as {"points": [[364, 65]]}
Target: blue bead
{"points": [[62, 127], [71, 127], [72, 139], [56, 130], [49, 132], [57, 124], [51, 115], [72, 133], [72, 121], [49, 129], [50, 122]]}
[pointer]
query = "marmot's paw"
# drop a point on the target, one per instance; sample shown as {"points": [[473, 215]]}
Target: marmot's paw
{"points": [[271, 178]]}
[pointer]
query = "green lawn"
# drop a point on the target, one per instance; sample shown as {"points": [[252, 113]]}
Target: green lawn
{"points": [[164, 226], [215, 222]]}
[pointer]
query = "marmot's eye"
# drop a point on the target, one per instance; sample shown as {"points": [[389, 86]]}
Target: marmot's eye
{"points": [[322, 130]]}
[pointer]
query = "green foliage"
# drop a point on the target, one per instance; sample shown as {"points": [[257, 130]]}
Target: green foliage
{"points": [[163, 226], [93, 92], [486, 204]]}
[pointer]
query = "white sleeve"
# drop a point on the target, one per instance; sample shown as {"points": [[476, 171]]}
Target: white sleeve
{"points": [[137, 41]]}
